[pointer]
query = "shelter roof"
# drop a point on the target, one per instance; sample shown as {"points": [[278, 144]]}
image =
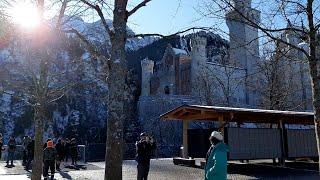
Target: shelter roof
{"points": [[241, 115]]}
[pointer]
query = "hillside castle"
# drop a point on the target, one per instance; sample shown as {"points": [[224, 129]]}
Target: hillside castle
{"points": [[231, 78]]}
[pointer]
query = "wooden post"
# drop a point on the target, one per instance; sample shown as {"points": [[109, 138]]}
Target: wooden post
{"points": [[185, 138], [283, 141], [221, 122]]}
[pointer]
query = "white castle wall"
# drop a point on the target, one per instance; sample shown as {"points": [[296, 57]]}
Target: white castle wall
{"points": [[244, 44]]}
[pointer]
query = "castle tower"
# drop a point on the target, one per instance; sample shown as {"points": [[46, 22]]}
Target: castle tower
{"points": [[244, 43], [240, 4], [146, 74], [198, 59]]}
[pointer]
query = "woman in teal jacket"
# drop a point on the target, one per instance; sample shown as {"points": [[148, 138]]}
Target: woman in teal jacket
{"points": [[216, 160]]}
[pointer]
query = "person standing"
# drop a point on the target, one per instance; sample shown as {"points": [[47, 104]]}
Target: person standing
{"points": [[74, 151], [45, 144], [216, 159], [30, 150], [144, 148], [25, 142], [60, 148], [49, 157], [11, 150], [67, 149], [1, 145]]}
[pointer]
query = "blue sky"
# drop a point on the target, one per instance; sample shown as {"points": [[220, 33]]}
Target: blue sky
{"points": [[168, 16]]}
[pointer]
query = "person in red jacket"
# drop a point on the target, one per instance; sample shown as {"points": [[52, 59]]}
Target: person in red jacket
{"points": [[49, 157]]}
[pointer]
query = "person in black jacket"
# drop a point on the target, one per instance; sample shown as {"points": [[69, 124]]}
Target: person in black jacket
{"points": [[60, 148], [74, 151], [1, 145], [49, 157], [67, 149], [30, 153], [144, 148], [11, 150], [25, 142]]}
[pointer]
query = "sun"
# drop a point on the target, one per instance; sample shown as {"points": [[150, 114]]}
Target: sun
{"points": [[25, 14]]}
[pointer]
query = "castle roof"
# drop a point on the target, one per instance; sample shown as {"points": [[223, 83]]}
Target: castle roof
{"points": [[179, 51]]}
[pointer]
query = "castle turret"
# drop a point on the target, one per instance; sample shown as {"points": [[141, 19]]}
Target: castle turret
{"points": [[146, 73], [244, 40], [198, 51], [241, 4], [198, 58]]}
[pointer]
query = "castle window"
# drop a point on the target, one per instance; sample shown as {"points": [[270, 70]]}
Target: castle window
{"points": [[166, 90]]}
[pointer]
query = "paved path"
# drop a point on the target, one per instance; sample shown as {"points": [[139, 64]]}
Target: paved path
{"points": [[163, 169]]}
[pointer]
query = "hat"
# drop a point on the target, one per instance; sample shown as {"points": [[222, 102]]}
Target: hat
{"points": [[217, 135], [50, 144], [143, 134]]}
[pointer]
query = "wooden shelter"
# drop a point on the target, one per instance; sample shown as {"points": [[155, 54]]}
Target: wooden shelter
{"points": [[224, 115]]}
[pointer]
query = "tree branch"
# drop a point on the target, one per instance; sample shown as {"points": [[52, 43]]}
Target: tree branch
{"points": [[135, 9], [91, 48], [268, 31], [61, 13], [100, 13]]}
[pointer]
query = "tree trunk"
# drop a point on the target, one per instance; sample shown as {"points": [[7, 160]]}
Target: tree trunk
{"points": [[316, 101], [38, 150], [116, 98], [314, 72]]}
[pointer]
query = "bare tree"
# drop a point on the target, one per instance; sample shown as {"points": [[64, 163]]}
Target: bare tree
{"points": [[282, 85], [39, 80], [299, 17], [219, 82], [115, 70]]}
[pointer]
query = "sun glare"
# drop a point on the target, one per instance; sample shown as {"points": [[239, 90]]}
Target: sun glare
{"points": [[25, 14]]}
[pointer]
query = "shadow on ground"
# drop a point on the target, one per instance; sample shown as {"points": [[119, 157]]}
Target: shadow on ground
{"points": [[19, 169], [269, 171]]}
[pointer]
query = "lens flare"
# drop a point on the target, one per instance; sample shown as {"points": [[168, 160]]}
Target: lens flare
{"points": [[25, 14]]}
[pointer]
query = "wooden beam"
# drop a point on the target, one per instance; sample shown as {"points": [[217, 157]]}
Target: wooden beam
{"points": [[239, 116], [196, 111], [221, 124], [185, 139], [199, 117], [283, 140], [179, 113]]}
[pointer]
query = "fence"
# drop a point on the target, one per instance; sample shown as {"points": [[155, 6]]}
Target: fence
{"points": [[254, 143], [301, 143], [258, 143]]}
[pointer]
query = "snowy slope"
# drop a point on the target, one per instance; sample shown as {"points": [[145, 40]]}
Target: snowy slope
{"points": [[96, 33]]}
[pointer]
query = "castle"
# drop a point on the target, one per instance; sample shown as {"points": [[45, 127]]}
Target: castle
{"points": [[234, 78], [222, 80]]}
